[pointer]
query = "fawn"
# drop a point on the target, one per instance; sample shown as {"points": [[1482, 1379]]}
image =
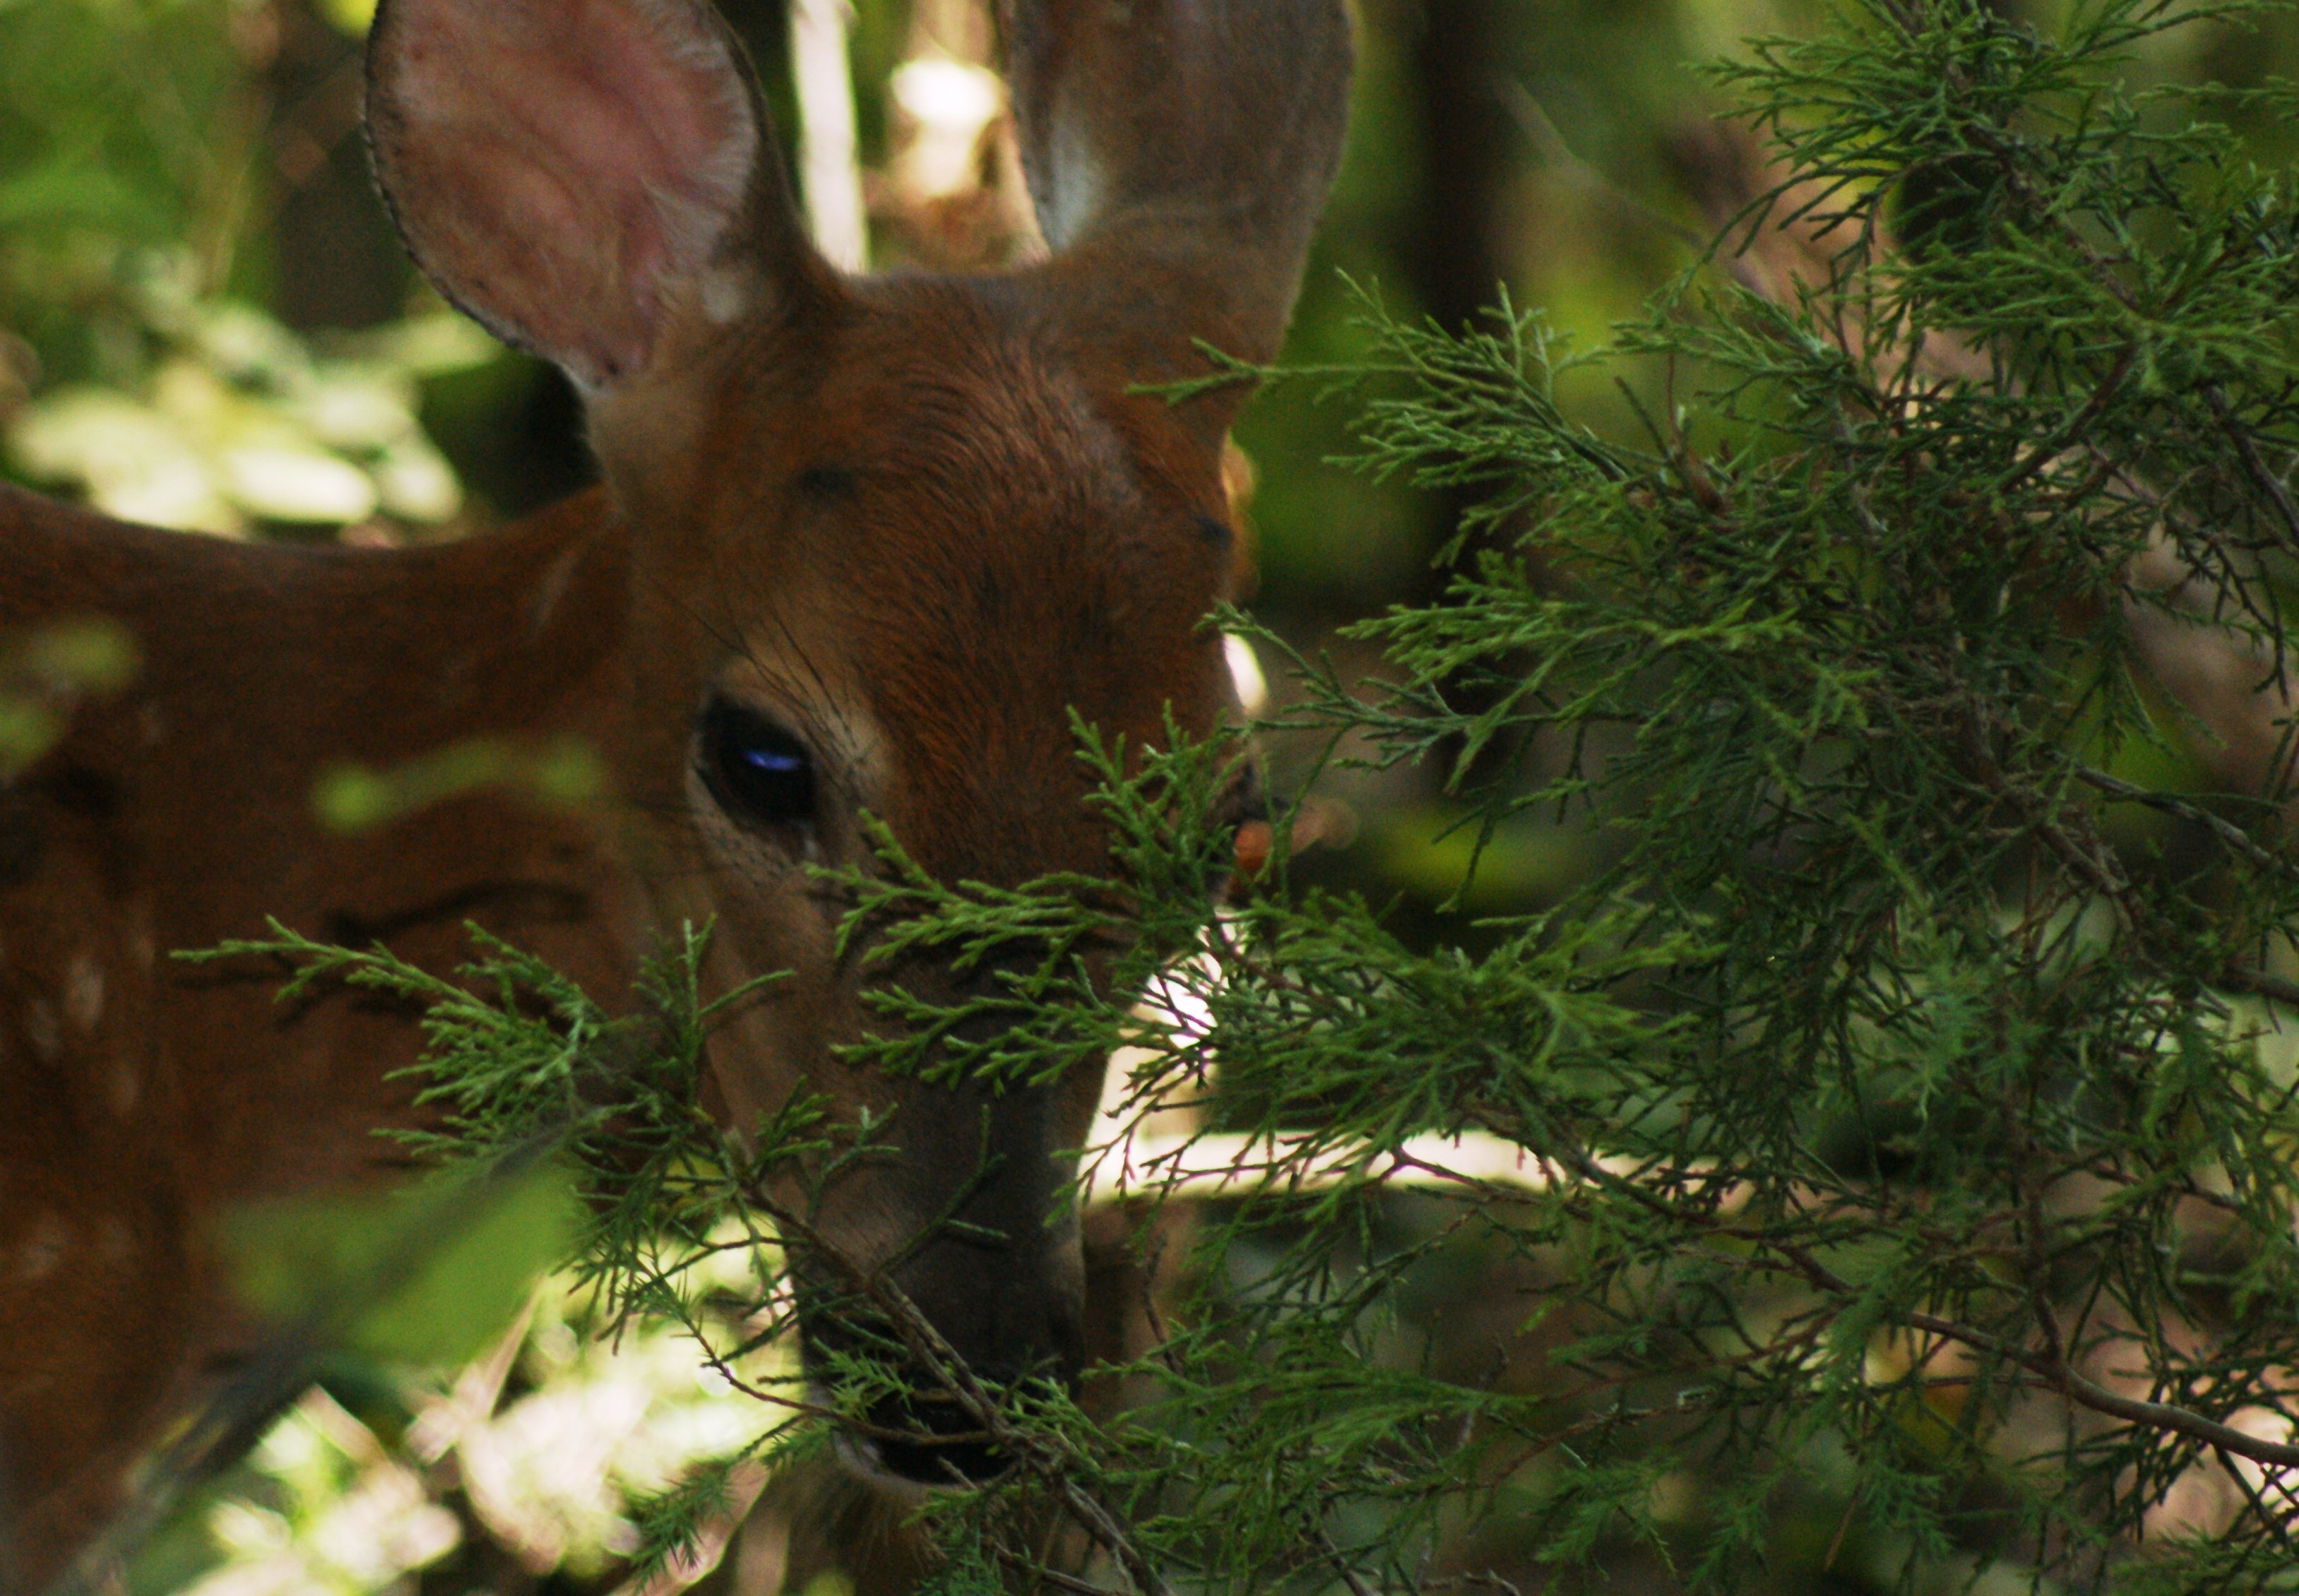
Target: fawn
{"points": [[861, 545]]}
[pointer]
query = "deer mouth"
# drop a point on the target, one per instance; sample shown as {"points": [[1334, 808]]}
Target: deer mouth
{"points": [[938, 1429], [914, 1443], [923, 1442]]}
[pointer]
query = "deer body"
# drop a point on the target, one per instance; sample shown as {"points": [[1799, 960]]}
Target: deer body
{"points": [[863, 545], [141, 1099]]}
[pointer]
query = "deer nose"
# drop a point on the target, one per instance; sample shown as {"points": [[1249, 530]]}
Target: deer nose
{"points": [[992, 1273], [932, 1439]]}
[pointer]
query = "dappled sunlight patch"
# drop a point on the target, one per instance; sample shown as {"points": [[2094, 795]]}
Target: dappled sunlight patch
{"points": [[239, 421], [329, 1508], [553, 1473], [544, 1447]]}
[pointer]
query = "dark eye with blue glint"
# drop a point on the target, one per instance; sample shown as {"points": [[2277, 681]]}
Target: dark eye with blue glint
{"points": [[757, 771]]}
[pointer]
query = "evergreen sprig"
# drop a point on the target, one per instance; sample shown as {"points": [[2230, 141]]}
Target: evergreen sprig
{"points": [[1890, 1100], [1896, 1124]]}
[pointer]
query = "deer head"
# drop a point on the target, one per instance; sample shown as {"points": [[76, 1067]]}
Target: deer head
{"points": [[886, 534]]}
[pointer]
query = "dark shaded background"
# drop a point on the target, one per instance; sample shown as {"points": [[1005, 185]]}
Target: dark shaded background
{"points": [[1559, 147]]}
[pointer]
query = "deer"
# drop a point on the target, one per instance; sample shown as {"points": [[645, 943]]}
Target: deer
{"points": [[861, 545]]}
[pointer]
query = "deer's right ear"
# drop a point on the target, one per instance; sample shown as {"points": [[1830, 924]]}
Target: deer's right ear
{"points": [[563, 169], [1178, 151]]}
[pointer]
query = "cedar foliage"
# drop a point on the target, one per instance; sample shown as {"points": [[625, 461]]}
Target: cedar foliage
{"points": [[1902, 1082]]}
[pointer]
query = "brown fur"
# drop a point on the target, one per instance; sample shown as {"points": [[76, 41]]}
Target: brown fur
{"points": [[915, 521], [139, 1096]]}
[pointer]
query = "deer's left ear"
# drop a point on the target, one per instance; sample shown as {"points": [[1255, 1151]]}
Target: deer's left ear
{"points": [[1178, 153]]}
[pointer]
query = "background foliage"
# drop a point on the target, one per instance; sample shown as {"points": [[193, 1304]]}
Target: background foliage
{"points": [[1783, 814]]}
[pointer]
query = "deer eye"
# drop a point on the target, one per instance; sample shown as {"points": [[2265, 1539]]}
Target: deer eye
{"points": [[757, 771]]}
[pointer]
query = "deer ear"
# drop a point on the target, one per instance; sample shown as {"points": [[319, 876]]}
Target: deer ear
{"points": [[1183, 145], [562, 169]]}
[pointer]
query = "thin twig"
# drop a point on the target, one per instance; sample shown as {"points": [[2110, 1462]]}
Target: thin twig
{"points": [[2260, 984], [2266, 481], [1342, 1565], [2233, 835], [2062, 1376], [1533, 119]]}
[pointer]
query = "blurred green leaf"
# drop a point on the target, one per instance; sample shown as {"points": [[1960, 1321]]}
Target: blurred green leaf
{"points": [[45, 670], [426, 1275], [563, 772], [81, 193], [1431, 849]]}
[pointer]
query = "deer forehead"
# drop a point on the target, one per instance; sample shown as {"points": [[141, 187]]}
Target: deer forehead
{"points": [[953, 490], [969, 397]]}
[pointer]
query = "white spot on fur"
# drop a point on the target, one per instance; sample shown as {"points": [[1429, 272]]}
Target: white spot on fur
{"points": [[140, 944], [84, 992], [43, 1247], [40, 1025], [126, 1087], [553, 589], [1077, 185], [724, 295]]}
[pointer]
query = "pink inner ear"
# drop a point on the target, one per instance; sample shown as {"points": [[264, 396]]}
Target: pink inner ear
{"points": [[555, 163]]}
